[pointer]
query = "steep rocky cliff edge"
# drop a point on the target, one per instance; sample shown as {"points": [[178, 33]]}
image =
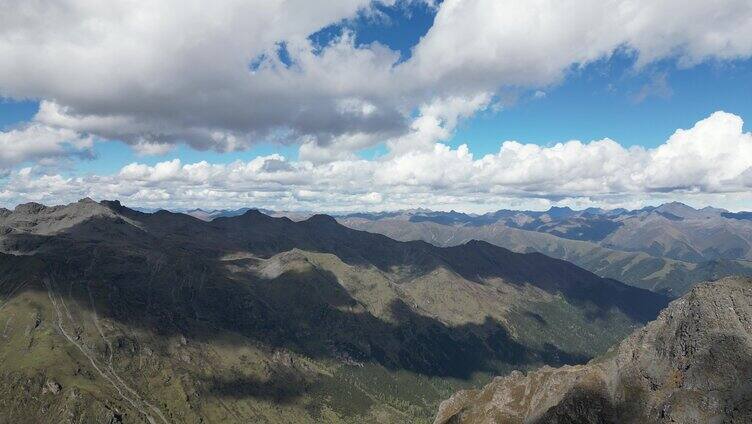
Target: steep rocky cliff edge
{"points": [[693, 364]]}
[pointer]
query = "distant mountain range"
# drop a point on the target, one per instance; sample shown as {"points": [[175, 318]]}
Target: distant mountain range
{"points": [[209, 215], [667, 248], [108, 314], [692, 365], [672, 230]]}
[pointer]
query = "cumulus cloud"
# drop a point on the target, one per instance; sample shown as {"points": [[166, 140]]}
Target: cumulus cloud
{"points": [[225, 75], [488, 43], [207, 74], [711, 162], [713, 156], [35, 142]]}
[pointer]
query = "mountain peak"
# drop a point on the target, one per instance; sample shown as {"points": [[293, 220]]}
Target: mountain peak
{"points": [[255, 215], [559, 212], [675, 206], [322, 219], [684, 367], [478, 243], [685, 211], [249, 216], [112, 204], [31, 208], [36, 218]]}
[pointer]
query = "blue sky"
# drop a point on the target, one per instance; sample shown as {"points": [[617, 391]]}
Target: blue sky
{"points": [[599, 101], [479, 100]]}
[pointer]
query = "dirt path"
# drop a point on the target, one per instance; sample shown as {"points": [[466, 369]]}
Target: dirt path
{"points": [[106, 371]]}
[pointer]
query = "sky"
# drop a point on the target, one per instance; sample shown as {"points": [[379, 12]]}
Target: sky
{"points": [[351, 105]]}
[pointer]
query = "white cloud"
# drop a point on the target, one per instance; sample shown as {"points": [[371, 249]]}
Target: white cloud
{"points": [[168, 71], [210, 74], [147, 148], [436, 121], [491, 43], [712, 156], [36, 142], [710, 163]]}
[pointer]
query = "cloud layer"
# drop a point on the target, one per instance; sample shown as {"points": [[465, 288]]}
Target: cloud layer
{"points": [[225, 75], [708, 163]]}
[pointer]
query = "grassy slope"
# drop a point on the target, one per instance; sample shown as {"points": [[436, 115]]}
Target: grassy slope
{"points": [[232, 378]]}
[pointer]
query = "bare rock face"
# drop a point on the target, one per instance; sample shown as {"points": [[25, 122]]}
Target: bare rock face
{"points": [[51, 387], [691, 365]]}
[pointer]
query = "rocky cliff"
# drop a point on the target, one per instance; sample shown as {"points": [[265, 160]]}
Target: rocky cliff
{"points": [[691, 365]]}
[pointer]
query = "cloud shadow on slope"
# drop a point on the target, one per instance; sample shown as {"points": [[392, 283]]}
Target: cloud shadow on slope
{"points": [[167, 279]]}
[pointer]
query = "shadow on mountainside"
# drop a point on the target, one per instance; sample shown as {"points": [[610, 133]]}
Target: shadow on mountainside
{"points": [[310, 314], [162, 273], [583, 405], [279, 389], [264, 236]]}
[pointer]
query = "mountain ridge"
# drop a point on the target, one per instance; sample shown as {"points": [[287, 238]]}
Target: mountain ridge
{"points": [[333, 238], [616, 256], [335, 318]]}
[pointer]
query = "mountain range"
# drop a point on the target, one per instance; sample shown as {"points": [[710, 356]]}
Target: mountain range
{"points": [[668, 248], [108, 314]]}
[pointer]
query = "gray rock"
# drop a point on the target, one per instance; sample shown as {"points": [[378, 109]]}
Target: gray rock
{"points": [[691, 365], [52, 386]]}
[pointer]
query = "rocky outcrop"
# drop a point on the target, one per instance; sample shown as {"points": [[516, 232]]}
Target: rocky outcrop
{"points": [[691, 365]]}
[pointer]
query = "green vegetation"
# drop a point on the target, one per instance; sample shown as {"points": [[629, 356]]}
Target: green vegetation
{"points": [[128, 317]]}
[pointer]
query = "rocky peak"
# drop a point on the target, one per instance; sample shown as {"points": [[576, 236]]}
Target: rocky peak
{"points": [[693, 364], [113, 205], [321, 219], [40, 219], [31, 208], [254, 214], [685, 211]]}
